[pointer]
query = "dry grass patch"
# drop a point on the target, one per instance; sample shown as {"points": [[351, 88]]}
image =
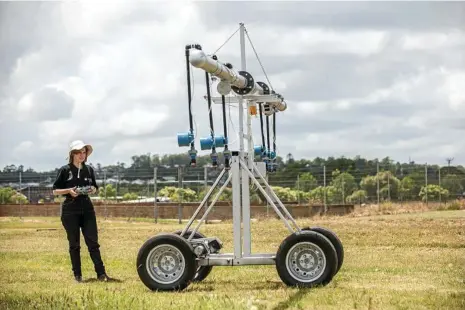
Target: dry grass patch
{"points": [[406, 261]]}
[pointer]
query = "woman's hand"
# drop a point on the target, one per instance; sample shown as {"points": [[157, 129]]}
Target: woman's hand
{"points": [[92, 190], [72, 192]]}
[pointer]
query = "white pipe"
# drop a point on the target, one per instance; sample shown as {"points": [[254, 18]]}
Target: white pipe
{"points": [[200, 60]]}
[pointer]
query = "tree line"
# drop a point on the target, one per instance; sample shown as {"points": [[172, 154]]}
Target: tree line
{"points": [[331, 179]]}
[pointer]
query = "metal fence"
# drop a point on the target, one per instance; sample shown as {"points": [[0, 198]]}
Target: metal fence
{"points": [[322, 184]]}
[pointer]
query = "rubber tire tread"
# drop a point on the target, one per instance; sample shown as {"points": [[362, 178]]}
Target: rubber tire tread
{"points": [[187, 252], [337, 243], [308, 236]]}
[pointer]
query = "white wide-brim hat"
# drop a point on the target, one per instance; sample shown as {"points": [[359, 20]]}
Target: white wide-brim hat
{"points": [[78, 145]]}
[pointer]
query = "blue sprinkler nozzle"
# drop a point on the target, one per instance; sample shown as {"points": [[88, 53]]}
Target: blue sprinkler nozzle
{"points": [[207, 143], [185, 138], [258, 150]]}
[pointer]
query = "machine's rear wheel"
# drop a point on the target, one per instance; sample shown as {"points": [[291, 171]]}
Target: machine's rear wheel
{"points": [[331, 235], [202, 271], [306, 259], [166, 262]]}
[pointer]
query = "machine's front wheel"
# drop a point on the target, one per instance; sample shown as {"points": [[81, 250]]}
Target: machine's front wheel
{"points": [[166, 262], [306, 259], [202, 271]]}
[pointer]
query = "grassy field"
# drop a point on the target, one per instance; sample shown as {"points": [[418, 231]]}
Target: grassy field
{"points": [[407, 261]]}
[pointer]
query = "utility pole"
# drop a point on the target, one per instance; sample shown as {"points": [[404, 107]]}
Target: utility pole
{"points": [[449, 160]]}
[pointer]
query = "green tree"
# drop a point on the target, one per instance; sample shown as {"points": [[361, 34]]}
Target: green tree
{"points": [[167, 191], [285, 193], [184, 195], [345, 185], [226, 195], [452, 183], [388, 185], [107, 192], [432, 192], [370, 185], [418, 176], [317, 195], [306, 182], [130, 196], [406, 188], [360, 196], [9, 195]]}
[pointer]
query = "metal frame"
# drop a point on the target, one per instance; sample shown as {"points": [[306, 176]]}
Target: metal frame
{"points": [[240, 173], [242, 236], [243, 170]]}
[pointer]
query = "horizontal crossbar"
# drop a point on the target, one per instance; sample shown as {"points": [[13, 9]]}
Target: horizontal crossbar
{"points": [[229, 260]]}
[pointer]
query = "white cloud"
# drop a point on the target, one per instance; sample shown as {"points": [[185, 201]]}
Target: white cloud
{"points": [[24, 146], [302, 42], [122, 67], [454, 88], [48, 103], [431, 40]]}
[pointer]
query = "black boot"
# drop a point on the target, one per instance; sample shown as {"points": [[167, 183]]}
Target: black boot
{"points": [[103, 277]]}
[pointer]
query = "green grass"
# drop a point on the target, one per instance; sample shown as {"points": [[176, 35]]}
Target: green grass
{"points": [[406, 261]]}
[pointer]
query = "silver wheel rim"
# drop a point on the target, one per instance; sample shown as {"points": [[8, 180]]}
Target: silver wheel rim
{"points": [[165, 264], [305, 262]]}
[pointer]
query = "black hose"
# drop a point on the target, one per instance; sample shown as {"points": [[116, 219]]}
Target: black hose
{"points": [[274, 133], [261, 125], [210, 112], [209, 100], [189, 93], [268, 132], [225, 128]]}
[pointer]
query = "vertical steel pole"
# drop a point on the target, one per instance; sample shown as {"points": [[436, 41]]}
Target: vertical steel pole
{"points": [[155, 193], [324, 190], [377, 182], [440, 198], [236, 200], [426, 182], [180, 186], [20, 200], [245, 191]]}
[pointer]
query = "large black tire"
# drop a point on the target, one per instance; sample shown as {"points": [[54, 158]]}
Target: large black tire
{"points": [[311, 266], [202, 271], [176, 258], [331, 235]]}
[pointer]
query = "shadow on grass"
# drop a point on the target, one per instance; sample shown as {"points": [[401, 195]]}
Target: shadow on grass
{"points": [[94, 280], [208, 286], [293, 299]]}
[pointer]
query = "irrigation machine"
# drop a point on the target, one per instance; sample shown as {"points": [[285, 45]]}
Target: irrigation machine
{"points": [[307, 257]]}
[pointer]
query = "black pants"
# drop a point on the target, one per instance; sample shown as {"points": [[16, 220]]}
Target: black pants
{"points": [[79, 215]]}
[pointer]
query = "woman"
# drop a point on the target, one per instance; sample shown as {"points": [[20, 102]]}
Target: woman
{"points": [[75, 181]]}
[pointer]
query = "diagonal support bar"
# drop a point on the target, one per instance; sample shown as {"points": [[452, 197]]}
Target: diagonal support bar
{"points": [[276, 197], [252, 177], [210, 207], [210, 191]]}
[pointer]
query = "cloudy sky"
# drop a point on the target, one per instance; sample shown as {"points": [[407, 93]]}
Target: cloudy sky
{"points": [[370, 79]]}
